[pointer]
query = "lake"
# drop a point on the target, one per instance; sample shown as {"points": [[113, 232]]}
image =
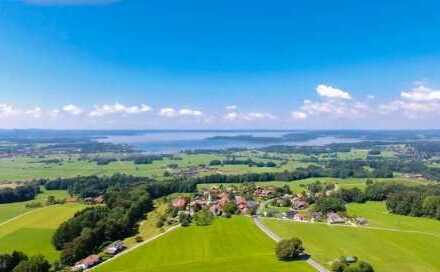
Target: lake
{"points": [[177, 141]]}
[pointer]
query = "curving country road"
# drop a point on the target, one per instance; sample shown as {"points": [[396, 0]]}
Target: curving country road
{"points": [[277, 238]]}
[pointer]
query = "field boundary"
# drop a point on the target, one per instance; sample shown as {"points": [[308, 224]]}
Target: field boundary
{"points": [[277, 238], [135, 247], [19, 216], [360, 227]]}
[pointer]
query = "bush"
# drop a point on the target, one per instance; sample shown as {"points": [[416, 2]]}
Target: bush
{"points": [[330, 204], [138, 239], [203, 217], [287, 250], [230, 208], [184, 219], [34, 264]]}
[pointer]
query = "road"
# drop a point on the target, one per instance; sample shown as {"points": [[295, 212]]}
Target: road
{"points": [[134, 247], [277, 238]]}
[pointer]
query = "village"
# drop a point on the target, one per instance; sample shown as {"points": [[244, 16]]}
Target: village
{"points": [[266, 201], [245, 200]]}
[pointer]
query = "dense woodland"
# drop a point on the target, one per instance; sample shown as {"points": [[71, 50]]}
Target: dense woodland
{"points": [[19, 193]]}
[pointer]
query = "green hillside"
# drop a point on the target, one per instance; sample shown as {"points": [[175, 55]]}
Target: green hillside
{"points": [[233, 245]]}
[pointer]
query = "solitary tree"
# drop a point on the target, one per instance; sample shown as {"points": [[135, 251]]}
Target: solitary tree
{"points": [[290, 249]]}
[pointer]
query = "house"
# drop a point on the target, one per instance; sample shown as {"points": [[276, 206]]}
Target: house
{"points": [[115, 248], [299, 203], [316, 216], [334, 218], [215, 209], [361, 221], [290, 214], [86, 263], [241, 204], [298, 217], [98, 199], [264, 192], [180, 203]]}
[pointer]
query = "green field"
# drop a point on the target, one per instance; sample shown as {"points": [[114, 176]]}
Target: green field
{"points": [[301, 185], [27, 168], [233, 245], [32, 232], [11, 210], [390, 242]]}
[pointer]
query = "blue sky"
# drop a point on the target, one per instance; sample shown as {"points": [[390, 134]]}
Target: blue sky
{"points": [[225, 64]]}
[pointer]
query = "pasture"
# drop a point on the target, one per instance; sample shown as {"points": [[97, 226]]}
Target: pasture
{"points": [[11, 210], [32, 232], [390, 242], [301, 185], [234, 245], [27, 168]]}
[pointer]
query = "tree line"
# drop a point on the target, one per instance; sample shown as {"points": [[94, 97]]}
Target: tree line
{"points": [[19, 193]]}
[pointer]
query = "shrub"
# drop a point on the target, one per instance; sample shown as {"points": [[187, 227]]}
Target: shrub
{"points": [[184, 219], [203, 217], [287, 250], [138, 239]]}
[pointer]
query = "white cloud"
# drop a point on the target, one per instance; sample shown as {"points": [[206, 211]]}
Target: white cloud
{"points": [[72, 109], [231, 108], [420, 102], [190, 112], [231, 116], [102, 110], [7, 110], [333, 109], [421, 94], [35, 112], [171, 112], [251, 116], [299, 115], [370, 96], [330, 92], [168, 112]]}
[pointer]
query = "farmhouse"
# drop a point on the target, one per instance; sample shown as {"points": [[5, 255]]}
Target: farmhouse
{"points": [[86, 263], [180, 203], [334, 218], [115, 248]]}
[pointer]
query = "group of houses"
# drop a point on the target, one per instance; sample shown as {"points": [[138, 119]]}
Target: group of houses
{"points": [[214, 200], [93, 260], [298, 204]]}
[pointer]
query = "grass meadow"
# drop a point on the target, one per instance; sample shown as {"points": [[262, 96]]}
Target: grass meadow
{"points": [[390, 242], [32, 232], [233, 245]]}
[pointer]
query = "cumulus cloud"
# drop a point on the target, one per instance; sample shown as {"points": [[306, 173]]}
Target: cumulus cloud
{"points": [[419, 102], [171, 112], [72, 109], [35, 112], [7, 110], [250, 116], [299, 115], [190, 112], [231, 108], [102, 110], [421, 94], [331, 92], [331, 109]]}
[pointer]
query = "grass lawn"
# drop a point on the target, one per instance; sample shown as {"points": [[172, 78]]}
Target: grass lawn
{"points": [[403, 249], [378, 216], [233, 245], [32, 232]]}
